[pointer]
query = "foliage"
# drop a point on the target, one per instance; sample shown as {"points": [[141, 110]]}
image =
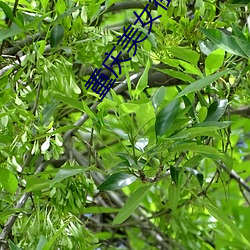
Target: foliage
{"points": [[160, 163]]}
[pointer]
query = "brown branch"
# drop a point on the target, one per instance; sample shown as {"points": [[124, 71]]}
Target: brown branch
{"points": [[235, 176], [16, 63], [123, 6], [243, 111], [21, 44]]}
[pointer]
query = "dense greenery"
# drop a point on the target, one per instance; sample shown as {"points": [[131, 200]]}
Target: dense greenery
{"points": [[161, 163]]}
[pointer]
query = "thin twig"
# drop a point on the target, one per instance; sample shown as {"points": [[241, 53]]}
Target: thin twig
{"points": [[21, 44], [235, 176], [244, 195], [16, 63], [37, 97], [20, 203]]}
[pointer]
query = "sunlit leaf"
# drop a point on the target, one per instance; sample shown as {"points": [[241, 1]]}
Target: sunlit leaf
{"points": [[223, 41], [158, 97], [186, 54], [178, 74], [173, 196], [216, 110], [98, 210], [117, 181], [229, 224], [36, 183], [143, 81], [67, 172], [70, 101], [8, 180], [7, 10], [44, 3], [198, 85], [214, 61], [202, 114], [219, 125], [128, 108], [193, 132]]}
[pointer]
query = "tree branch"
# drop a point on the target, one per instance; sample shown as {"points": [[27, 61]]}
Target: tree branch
{"points": [[16, 63], [123, 6], [21, 44], [236, 177], [20, 203]]}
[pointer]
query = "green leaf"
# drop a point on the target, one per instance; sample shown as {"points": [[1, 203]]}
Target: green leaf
{"points": [[9, 211], [9, 32], [44, 3], [143, 81], [158, 97], [132, 203], [56, 131], [173, 196], [198, 175], [202, 114], [189, 68], [214, 61], [117, 181], [188, 105], [56, 35], [70, 101], [207, 46], [49, 244], [150, 38], [227, 223], [216, 110], [177, 74], [204, 150], [8, 180], [67, 12], [198, 85], [244, 45], [13, 246], [219, 125], [41, 243], [194, 161], [237, 32], [174, 172], [193, 132], [223, 41], [66, 172], [36, 21], [241, 40], [49, 110], [35, 183], [186, 54], [108, 3], [166, 117], [128, 108], [7, 10], [98, 210]]}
